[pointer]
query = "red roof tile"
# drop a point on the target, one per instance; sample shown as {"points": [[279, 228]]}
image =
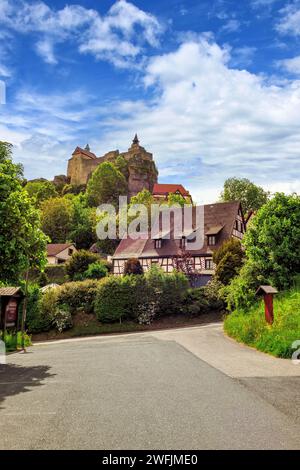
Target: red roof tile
{"points": [[163, 189]]}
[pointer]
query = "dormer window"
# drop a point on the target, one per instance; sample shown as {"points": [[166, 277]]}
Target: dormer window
{"points": [[211, 240], [158, 243]]}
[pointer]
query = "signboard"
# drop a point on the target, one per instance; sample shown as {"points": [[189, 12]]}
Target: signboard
{"points": [[11, 312]]}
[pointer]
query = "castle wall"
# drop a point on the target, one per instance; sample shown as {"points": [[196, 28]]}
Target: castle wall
{"points": [[142, 170]]}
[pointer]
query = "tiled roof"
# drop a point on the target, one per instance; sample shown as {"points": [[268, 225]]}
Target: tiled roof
{"points": [[9, 291], [80, 151], [54, 249], [163, 189], [220, 215]]}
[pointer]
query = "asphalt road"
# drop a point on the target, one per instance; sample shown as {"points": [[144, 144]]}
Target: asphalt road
{"points": [[138, 391]]}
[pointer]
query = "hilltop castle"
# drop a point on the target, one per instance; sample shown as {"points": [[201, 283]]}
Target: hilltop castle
{"points": [[141, 168]]}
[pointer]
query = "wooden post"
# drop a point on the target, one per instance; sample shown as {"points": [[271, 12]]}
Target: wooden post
{"points": [[24, 311], [269, 310]]}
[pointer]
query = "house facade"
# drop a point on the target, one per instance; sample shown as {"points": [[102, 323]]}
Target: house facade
{"points": [[222, 221], [59, 253]]}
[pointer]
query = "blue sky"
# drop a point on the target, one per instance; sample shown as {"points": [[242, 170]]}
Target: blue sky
{"points": [[211, 87]]}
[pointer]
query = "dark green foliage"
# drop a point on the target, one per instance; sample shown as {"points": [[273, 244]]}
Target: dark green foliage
{"points": [[106, 185], [23, 245], [78, 296], [229, 260], [133, 266], [79, 263], [96, 270], [56, 274], [251, 196], [273, 240], [170, 289], [118, 298], [204, 299], [38, 318], [43, 279]]}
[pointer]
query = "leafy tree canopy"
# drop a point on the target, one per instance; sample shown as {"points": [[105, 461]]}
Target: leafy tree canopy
{"points": [[249, 194], [273, 240], [41, 191], [22, 242], [106, 185], [57, 216]]}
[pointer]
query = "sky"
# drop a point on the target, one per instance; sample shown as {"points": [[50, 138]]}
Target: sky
{"points": [[212, 87]]}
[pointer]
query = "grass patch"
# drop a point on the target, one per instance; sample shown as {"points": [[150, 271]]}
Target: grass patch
{"points": [[14, 341], [250, 327]]}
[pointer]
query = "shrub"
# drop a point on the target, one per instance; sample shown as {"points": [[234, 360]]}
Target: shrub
{"points": [[229, 260], [79, 263], [118, 298], [214, 294], [78, 296], [195, 302], [38, 317], [240, 293], [62, 318], [133, 266], [96, 270], [43, 279], [169, 288]]}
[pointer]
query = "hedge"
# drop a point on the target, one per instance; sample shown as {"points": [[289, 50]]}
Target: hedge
{"points": [[79, 296]]}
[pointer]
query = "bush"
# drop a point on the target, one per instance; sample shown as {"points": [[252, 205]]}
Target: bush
{"points": [[79, 263], [214, 294], [133, 266], [39, 318], [96, 270], [249, 325], [62, 318], [195, 302], [78, 296], [229, 260], [43, 279], [130, 297], [240, 293], [170, 289], [118, 298]]}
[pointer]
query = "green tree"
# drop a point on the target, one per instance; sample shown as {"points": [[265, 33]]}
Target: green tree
{"points": [[251, 196], [79, 262], [229, 260], [143, 197], [23, 245], [83, 224], [122, 165], [41, 191], [273, 240], [106, 185], [57, 217], [177, 199]]}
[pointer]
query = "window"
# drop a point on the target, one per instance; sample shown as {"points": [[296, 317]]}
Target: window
{"points": [[211, 240], [209, 265], [70, 251], [158, 243]]}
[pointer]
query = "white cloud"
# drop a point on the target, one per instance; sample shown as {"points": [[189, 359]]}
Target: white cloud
{"points": [[290, 21], [110, 37], [231, 26], [208, 121], [291, 65]]}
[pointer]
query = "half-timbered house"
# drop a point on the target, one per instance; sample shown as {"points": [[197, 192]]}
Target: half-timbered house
{"points": [[221, 222]]}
